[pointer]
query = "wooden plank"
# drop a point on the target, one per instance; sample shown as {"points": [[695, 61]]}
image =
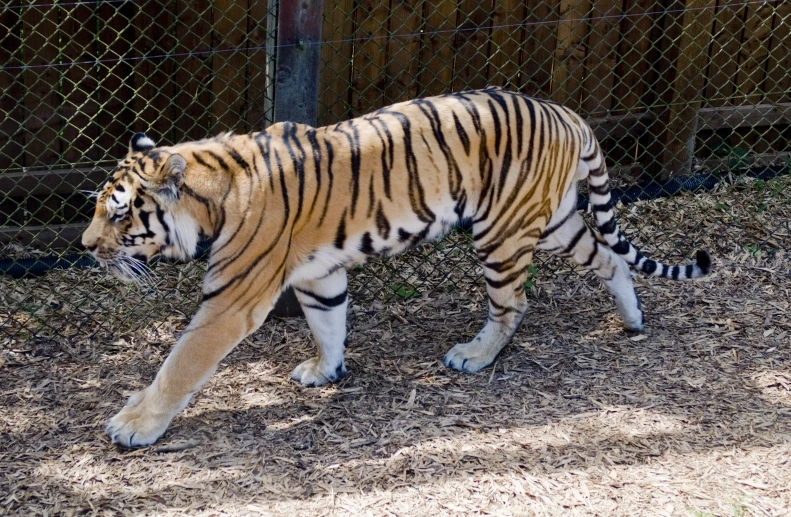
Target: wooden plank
{"points": [[40, 50], [50, 237], [79, 84], [192, 74], [436, 55], [569, 71], [335, 81], [114, 41], [778, 78], [229, 31], [633, 75], [619, 126], [12, 113], [602, 57], [754, 52], [370, 56], [751, 160], [505, 42], [153, 23], [724, 52], [260, 61], [403, 50], [777, 86], [45, 182], [745, 116], [538, 48], [473, 24], [680, 130]]}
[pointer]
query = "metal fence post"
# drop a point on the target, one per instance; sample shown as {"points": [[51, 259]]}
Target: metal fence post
{"points": [[296, 83]]}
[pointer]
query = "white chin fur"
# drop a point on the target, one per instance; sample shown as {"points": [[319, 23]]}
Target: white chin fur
{"points": [[185, 234]]}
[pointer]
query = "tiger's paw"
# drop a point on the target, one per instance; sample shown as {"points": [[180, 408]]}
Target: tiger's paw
{"points": [[314, 373], [136, 424], [470, 357]]}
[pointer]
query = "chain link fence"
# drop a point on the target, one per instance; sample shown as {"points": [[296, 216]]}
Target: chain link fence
{"points": [[683, 94]]}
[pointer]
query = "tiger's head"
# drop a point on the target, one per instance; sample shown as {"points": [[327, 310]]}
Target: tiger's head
{"points": [[139, 214]]}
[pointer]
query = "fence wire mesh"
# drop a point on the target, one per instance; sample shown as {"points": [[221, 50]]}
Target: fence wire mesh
{"points": [[683, 94]]}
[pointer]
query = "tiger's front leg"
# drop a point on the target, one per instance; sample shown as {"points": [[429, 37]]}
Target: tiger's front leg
{"points": [[324, 302], [214, 331]]}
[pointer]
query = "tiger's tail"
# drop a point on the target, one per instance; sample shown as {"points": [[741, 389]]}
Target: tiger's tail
{"points": [[602, 205]]}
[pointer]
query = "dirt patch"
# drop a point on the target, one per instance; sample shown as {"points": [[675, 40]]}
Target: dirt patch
{"points": [[691, 417]]}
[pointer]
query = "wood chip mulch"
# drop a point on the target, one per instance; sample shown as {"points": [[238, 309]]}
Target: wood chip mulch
{"points": [[690, 417]]}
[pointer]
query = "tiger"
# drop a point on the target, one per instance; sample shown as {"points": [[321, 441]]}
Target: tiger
{"points": [[294, 206]]}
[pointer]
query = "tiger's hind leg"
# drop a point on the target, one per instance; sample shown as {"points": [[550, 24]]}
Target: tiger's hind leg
{"points": [[567, 235], [324, 301], [505, 270]]}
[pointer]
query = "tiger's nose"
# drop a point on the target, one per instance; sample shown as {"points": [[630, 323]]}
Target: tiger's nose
{"points": [[88, 243]]}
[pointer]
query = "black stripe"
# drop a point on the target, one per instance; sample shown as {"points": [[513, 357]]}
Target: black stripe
{"points": [[600, 189], [238, 158], [327, 302], [497, 284], [498, 130], [574, 240], [330, 177], [298, 160], [548, 231], [603, 207], [689, 270], [649, 266], [592, 255], [382, 224], [218, 159], [201, 161], [621, 248], [676, 271], [317, 307], [387, 151], [609, 227], [465, 140], [366, 244], [518, 117], [340, 234]]}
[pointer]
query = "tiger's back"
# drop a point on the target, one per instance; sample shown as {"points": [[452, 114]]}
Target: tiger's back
{"points": [[294, 205], [410, 172]]}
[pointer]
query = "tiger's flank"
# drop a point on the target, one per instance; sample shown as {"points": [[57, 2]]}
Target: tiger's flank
{"points": [[295, 206]]}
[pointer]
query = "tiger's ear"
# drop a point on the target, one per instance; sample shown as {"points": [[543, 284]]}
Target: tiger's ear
{"points": [[170, 178], [140, 143]]}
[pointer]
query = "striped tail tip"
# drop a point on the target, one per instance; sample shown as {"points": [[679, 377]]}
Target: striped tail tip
{"points": [[703, 261]]}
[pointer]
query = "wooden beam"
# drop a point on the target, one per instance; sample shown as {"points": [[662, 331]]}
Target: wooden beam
{"points": [[751, 160], [744, 116], [687, 89], [619, 126], [296, 85], [41, 183], [50, 237]]}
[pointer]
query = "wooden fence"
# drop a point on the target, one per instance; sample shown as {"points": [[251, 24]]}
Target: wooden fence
{"points": [[661, 80]]}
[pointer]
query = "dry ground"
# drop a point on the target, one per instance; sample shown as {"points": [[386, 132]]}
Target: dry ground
{"points": [[691, 417]]}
